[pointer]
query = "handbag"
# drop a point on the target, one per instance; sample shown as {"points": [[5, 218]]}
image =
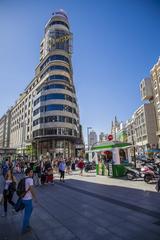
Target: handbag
{"points": [[12, 187], [19, 205]]}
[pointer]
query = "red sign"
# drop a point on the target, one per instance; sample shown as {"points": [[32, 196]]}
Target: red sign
{"points": [[107, 152], [110, 137]]}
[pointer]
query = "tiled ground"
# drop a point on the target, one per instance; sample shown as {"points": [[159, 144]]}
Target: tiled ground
{"points": [[90, 208]]}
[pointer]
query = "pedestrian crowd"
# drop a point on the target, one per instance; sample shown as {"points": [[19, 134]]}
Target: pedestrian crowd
{"points": [[36, 174]]}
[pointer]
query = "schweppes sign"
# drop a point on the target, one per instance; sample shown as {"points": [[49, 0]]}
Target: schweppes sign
{"points": [[63, 39]]}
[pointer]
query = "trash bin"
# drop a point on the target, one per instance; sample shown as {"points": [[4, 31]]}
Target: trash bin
{"points": [[118, 170]]}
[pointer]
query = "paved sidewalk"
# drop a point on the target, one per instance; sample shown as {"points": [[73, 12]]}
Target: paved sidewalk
{"points": [[106, 180], [90, 208]]}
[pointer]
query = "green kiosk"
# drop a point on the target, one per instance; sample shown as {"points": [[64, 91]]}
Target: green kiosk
{"points": [[111, 157]]}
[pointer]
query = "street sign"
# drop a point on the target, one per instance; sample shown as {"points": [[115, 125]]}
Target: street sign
{"points": [[110, 137]]}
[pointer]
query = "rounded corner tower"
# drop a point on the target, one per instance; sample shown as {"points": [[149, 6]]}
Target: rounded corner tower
{"points": [[56, 127]]}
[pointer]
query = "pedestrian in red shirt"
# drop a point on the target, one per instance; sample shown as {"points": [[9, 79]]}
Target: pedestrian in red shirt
{"points": [[81, 166]]}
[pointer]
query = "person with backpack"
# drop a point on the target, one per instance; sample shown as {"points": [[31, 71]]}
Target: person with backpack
{"points": [[27, 196], [9, 189]]}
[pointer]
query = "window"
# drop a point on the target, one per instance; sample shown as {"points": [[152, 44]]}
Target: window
{"points": [[35, 122], [54, 107], [68, 120], [42, 109], [55, 96], [54, 86], [50, 131], [53, 58], [74, 110], [36, 101], [36, 111], [59, 144], [57, 86], [58, 77], [55, 67], [68, 108], [61, 119], [59, 131], [68, 98], [75, 133], [59, 22], [50, 119]]}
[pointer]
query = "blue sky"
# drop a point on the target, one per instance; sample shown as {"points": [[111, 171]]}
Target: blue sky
{"points": [[116, 43]]}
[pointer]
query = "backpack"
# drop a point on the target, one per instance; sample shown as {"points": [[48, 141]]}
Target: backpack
{"points": [[34, 168], [21, 188], [12, 187]]}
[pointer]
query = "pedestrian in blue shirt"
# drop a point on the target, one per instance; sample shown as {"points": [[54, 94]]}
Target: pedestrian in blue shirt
{"points": [[5, 168], [62, 167]]}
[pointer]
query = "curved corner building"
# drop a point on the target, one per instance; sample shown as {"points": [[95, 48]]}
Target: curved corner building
{"points": [[56, 127]]}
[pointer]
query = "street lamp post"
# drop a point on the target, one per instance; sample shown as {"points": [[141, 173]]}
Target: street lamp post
{"points": [[23, 137], [134, 154]]}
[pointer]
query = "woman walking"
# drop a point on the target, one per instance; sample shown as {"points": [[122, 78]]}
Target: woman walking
{"points": [[62, 167], [9, 189]]}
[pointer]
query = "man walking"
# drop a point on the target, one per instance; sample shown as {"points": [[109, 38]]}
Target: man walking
{"points": [[27, 200]]}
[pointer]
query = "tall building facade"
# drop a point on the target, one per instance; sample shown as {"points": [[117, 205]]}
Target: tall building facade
{"points": [[2, 131], [102, 137], [5, 122], [121, 133], [46, 115], [130, 130], [145, 126], [146, 90], [115, 128], [92, 138], [155, 81]]}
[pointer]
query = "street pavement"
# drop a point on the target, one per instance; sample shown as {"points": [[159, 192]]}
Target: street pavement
{"points": [[89, 207]]}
